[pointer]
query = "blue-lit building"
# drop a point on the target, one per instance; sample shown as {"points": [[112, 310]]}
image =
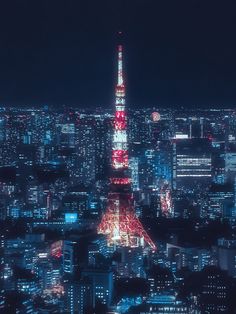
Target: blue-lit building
{"points": [[226, 256], [192, 164], [215, 292], [102, 285], [221, 201], [70, 256], [165, 303]]}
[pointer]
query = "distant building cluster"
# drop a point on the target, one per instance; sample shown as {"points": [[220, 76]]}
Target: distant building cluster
{"points": [[54, 184]]}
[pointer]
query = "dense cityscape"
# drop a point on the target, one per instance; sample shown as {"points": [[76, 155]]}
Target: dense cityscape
{"points": [[117, 210], [117, 157]]}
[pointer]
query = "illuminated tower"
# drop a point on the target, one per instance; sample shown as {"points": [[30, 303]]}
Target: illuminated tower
{"points": [[119, 222]]}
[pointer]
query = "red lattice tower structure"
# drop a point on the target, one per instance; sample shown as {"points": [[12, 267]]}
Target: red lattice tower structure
{"points": [[119, 222]]}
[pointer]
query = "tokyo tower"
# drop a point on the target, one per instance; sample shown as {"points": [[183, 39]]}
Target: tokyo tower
{"points": [[119, 221]]}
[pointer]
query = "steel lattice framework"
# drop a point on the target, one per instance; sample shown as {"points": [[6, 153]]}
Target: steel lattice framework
{"points": [[119, 222]]}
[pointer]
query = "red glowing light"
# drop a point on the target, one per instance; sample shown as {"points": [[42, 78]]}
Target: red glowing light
{"points": [[155, 116], [120, 125], [120, 120], [119, 153], [120, 181], [120, 158], [120, 114], [56, 249]]}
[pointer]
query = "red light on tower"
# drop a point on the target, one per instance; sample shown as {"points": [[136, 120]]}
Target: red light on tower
{"points": [[119, 222]]}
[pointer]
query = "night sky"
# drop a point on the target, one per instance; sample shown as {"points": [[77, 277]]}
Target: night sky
{"points": [[63, 52]]}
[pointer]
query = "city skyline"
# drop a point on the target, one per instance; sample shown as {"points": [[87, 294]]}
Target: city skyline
{"points": [[118, 204]]}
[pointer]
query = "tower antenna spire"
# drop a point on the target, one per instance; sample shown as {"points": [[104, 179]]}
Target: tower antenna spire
{"points": [[120, 73]]}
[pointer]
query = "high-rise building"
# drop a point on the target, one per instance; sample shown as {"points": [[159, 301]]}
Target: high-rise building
{"points": [[77, 201], [103, 136], [2, 129], [70, 256], [79, 297], [66, 134], [131, 262], [226, 250], [85, 148], [192, 163], [102, 285], [221, 201], [215, 291]]}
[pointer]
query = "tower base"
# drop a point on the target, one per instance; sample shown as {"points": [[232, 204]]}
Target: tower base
{"points": [[124, 230]]}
